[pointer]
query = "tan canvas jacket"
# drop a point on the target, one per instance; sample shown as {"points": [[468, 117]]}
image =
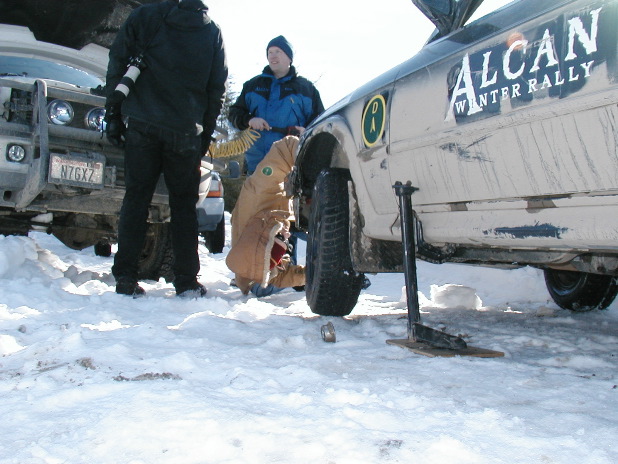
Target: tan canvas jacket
{"points": [[262, 211]]}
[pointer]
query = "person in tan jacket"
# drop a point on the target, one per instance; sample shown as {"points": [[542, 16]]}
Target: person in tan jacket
{"points": [[260, 219]]}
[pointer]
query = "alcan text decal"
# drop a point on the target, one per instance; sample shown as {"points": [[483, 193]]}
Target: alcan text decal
{"points": [[520, 68], [374, 120]]}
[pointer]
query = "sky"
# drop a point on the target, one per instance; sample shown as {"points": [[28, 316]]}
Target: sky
{"points": [[91, 377], [338, 45]]}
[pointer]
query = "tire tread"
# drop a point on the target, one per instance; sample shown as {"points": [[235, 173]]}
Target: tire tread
{"points": [[333, 286]]}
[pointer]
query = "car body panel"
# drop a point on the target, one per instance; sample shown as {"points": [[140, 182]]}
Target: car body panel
{"points": [[210, 209], [20, 41]]}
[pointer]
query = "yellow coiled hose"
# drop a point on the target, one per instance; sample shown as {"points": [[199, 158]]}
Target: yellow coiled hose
{"points": [[236, 146]]}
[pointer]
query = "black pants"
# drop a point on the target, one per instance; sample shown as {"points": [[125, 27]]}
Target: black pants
{"points": [[150, 151]]}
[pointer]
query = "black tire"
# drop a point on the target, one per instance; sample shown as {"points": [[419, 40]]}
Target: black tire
{"points": [[157, 257], [215, 239], [580, 291], [332, 286], [103, 249]]}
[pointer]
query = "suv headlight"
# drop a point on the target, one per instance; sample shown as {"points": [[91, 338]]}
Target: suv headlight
{"points": [[94, 119], [60, 112], [15, 153]]}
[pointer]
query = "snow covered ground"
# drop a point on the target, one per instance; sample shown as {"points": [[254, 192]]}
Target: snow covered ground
{"points": [[88, 376]]}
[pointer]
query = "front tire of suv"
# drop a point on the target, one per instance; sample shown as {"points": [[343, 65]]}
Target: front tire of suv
{"points": [[580, 291], [332, 285]]}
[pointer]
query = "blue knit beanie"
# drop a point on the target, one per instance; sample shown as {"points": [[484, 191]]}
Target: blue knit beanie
{"points": [[283, 44]]}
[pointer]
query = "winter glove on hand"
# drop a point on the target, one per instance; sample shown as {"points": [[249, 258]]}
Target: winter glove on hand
{"points": [[114, 131], [292, 130], [114, 127]]}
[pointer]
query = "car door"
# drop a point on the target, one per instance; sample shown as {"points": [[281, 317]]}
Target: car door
{"points": [[516, 105]]}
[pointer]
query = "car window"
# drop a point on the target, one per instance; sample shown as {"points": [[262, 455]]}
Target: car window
{"points": [[35, 68], [488, 7]]}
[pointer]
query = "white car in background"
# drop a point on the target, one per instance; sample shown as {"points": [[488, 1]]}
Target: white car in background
{"points": [[211, 203]]}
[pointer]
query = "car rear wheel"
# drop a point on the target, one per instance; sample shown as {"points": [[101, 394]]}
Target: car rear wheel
{"points": [[215, 239], [157, 256], [580, 291], [332, 285], [103, 249]]}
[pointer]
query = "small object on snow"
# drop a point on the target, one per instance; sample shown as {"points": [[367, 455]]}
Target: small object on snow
{"points": [[148, 376], [545, 311], [86, 363], [328, 333]]}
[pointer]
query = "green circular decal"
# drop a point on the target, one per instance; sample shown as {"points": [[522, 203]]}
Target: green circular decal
{"points": [[374, 118], [267, 171]]}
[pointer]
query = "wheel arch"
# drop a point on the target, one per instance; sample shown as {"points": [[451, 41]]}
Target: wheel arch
{"points": [[328, 144], [331, 145]]}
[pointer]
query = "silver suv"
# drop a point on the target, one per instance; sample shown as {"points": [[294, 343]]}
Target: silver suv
{"points": [[58, 173], [506, 125]]}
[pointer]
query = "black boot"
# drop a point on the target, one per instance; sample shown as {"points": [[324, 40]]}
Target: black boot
{"points": [[190, 290], [128, 286]]}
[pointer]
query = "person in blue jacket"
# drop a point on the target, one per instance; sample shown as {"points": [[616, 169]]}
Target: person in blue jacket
{"points": [[276, 103]]}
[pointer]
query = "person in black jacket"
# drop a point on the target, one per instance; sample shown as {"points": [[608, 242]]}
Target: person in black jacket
{"points": [[276, 103], [170, 111]]}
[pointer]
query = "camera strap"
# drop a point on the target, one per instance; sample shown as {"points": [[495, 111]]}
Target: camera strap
{"points": [[159, 25], [134, 69]]}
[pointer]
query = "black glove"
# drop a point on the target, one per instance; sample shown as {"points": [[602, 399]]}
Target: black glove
{"points": [[292, 130], [114, 131], [114, 127]]}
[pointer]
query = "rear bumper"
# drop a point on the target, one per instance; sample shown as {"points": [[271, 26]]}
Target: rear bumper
{"points": [[209, 214]]}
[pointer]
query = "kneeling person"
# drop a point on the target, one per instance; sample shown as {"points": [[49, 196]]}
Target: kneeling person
{"points": [[261, 225]]}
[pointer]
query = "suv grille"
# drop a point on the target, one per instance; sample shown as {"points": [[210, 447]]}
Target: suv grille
{"points": [[21, 108]]}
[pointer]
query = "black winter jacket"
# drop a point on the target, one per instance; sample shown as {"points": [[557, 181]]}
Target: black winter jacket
{"points": [[183, 85]]}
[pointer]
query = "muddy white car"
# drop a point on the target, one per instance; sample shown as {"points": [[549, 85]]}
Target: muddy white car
{"points": [[508, 127]]}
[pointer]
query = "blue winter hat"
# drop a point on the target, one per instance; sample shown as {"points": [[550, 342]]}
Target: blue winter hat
{"points": [[283, 44]]}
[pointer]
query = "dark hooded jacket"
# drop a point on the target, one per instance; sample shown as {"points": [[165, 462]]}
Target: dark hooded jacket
{"points": [[183, 84]]}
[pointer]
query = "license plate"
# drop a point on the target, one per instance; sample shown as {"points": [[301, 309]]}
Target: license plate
{"points": [[78, 170]]}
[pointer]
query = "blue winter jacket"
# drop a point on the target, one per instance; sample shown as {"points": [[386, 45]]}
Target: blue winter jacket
{"points": [[289, 101]]}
